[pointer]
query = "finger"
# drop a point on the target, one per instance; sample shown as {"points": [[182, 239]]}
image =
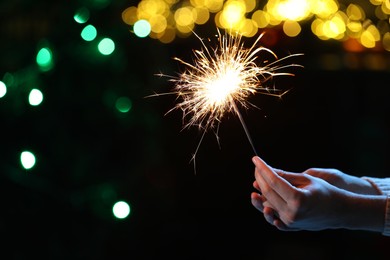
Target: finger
{"points": [[283, 227], [277, 183], [272, 217], [280, 225], [267, 191], [257, 201], [295, 179], [256, 185], [269, 215]]}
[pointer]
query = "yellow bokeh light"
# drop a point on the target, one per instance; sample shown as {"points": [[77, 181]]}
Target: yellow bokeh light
{"points": [[213, 6], [367, 23], [294, 10], [324, 8], [184, 17], [248, 28], [386, 7], [261, 18], [386, 41], [317, 27], [291, 28], [202, 15], [184, 31], [355, 13], [250, 5], [376, 2], [232, 14], [367, 39], [149, 8], [354, 28], [129, 15], [334, 28], [158, 23], [167, 36]]}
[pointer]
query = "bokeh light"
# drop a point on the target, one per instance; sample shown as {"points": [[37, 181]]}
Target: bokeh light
{"points": [[27, 159], [82, 15], [35, 97], [89, 33], [123, 104], [369, 24], [3, 89], [44, 59], [121, 209], [106, 46], [142, 28]]}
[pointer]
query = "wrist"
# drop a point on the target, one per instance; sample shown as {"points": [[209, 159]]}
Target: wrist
{"points": [[365, 212]]}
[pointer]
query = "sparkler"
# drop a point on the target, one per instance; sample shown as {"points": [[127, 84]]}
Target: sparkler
{"points": [[222, 77]]}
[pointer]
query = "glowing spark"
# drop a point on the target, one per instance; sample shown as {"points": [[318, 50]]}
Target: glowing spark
{"points": [[221, 78]]}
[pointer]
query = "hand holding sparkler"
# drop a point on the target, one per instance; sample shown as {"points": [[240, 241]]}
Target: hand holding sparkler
{"points": [[320, 199]]}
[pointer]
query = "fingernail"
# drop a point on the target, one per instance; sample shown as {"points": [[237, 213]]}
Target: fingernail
{"points": [[255, 159]]}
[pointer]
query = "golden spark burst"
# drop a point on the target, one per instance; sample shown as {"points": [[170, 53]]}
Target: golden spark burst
{"points": [[222, 77]]}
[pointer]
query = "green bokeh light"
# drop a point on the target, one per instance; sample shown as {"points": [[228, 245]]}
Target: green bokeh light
{"points": [[27, 159], [9, 79], [142, 28], [3, 89], [81, 15], [35, 97], [89, 33], [123, 104], [45, 59], [106, 46], [121, 209]]}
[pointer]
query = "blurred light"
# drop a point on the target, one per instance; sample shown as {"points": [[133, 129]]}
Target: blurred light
{"points": [[9, 79], [202, 15], [89, 33], [250, 5], [324, 8], [291, 28], [386, 41], [168, 36], [81, 15], [3, 89], [213, 5], [158, 23], [35, 97], [184, 16], [369, 37], [106, 46], [261, 18], [123, 104], [129, 15], [45, 59], [295, 10], [232, 14], [353, 45], [329, 19], [27, 159], [121, 209], [142, 28]]}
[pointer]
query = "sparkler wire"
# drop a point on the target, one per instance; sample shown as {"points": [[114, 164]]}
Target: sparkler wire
{"points": [[244, 126]]}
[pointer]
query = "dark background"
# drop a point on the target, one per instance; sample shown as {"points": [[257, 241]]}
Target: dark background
{"points": [[89, 155]]}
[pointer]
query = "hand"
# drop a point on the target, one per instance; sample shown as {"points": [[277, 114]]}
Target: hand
{"points": [[341, 180], [316, 199]]}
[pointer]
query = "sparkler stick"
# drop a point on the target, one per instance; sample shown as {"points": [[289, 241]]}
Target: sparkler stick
{"points": [[222, 77], [245, 127]]}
